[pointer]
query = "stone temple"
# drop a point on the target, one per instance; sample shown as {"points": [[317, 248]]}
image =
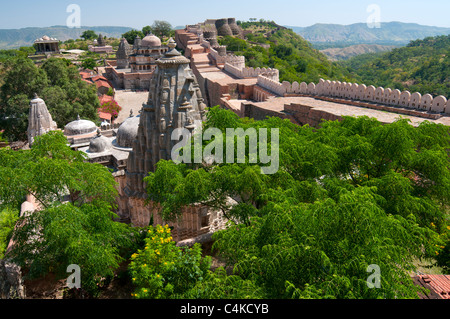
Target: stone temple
{"points": [[133, 149], [40, 120], [174, 101], [136, 64]]}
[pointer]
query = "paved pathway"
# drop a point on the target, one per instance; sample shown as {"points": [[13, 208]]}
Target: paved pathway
{"points": [[129, 100]]}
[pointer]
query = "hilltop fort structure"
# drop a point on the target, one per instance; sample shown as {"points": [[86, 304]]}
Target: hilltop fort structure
{"points": [[257, 92]]}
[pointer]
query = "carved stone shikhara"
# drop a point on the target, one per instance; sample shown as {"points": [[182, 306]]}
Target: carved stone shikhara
{"points": [[174, 102], [39, 119]]}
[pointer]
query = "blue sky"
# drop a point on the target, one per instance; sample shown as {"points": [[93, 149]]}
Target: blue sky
{"points": [[139, 13]]}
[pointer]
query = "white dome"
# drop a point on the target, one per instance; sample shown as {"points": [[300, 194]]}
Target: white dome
{"points": [[127, 132], [100, 144], [79, 127]]}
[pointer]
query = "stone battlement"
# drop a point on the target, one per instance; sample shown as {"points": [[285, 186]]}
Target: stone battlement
{"points": [[360, 92], [246, 72]]}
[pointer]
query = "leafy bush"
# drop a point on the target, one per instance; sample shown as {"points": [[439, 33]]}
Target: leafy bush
{"points": [[8, 219], [162, 270], [52, 239], [112, 108]]}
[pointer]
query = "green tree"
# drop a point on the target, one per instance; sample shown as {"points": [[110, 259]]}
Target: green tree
{"points": [[89, 64], [131, 35], [161, 28], [147, 30], [89, 35], [57, 82], [8, 218], [349, 194], [74, 224]]}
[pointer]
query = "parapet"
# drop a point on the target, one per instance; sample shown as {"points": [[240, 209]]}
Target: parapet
{"points": [[359, 92]]}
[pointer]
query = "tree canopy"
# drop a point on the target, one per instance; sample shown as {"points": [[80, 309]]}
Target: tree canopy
{"points": [[348, 195], [57, 82], [74, 223], [89, 35], [422, 66]]}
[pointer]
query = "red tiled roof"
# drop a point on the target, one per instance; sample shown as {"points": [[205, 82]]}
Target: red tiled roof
{"points": [[87, 81], [98, 77], [104, 116], [105, 98], [439, 286], [101, 83]]}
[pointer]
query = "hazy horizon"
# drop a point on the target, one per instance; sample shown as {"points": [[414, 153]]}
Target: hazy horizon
{"points": [[300, 13], [125, 26]]}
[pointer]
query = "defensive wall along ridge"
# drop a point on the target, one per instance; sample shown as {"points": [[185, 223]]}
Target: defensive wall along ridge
{"points": [[266, 84], [360, 92]]}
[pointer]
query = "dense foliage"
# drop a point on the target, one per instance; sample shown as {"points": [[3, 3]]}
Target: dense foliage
{"points": [[8, 218], [74, 223], [57, 82], [348, 195], [161, 270], [162, 29], [422, 66]]}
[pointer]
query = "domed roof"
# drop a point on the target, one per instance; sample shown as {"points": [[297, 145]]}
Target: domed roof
{"points": [[100, 144], [127, 132], [79, 127], [151, 40]]}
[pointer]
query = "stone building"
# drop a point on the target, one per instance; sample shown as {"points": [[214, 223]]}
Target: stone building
{"points": [[175, 101], [123, 53], [135, 66], [144, 56], [46, 45], [39, 120], [100, 46]]}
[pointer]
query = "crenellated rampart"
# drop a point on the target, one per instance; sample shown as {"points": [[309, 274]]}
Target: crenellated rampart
{"points": [[358, 92]]}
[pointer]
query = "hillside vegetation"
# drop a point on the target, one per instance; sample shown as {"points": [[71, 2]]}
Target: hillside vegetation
{"points": [[422, 66], [338, 54], [269, 45]]}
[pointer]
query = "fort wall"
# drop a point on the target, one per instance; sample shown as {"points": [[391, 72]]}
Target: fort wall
{"points": [[357, 92]]}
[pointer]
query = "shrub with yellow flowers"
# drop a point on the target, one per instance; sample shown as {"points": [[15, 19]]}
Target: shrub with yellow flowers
{"points": [[161, 270]]}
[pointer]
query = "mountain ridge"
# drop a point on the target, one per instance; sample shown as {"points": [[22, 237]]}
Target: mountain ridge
{"points": [[390, 33], [15, 38]]}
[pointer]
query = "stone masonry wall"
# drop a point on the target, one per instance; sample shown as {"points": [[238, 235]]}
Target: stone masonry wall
{"points": [[360, 92]]}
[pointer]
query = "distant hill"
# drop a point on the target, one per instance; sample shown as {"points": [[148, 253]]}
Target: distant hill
{"points": [[266, 44], [422, 66], [15, 38], [390, 33], [338, 54]]}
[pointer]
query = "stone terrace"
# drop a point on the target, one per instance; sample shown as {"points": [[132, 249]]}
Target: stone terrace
{"points": [[309, 110]]}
